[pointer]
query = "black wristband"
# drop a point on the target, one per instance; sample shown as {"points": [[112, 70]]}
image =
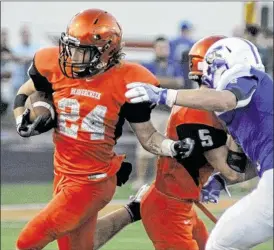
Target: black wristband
{"points": [[237, 161], [20, 101], [133, 209]]}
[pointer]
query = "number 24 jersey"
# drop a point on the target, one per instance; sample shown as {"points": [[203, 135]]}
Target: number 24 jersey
{"points": [[91, 113]]}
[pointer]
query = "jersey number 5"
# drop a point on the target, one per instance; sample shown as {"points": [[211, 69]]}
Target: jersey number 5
{"points": [[93, 122], [206, 139]]}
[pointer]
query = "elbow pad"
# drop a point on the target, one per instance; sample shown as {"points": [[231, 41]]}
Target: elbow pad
{"points": [[237, 161], [20, 101]]}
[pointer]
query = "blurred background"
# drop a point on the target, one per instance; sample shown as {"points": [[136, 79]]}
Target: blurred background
{"points": [[157, 35]]}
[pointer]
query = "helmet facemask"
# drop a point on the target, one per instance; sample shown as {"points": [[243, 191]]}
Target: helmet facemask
{"points": [[214, 66], [78, 61]]}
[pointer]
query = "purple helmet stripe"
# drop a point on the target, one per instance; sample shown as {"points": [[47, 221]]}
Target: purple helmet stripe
{"points": [[252, 49]]}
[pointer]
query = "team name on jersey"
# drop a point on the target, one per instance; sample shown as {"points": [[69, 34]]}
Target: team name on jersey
{"points": [[86, 92]]}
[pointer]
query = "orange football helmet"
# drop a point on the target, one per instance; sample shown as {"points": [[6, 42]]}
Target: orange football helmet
{"points": [[91, 44], [196, 57]]}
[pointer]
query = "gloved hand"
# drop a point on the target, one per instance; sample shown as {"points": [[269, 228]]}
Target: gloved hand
{"points": [[133, 207], [183, 148], [142, 92], [213, 187], [40, 125], [123, 173]]}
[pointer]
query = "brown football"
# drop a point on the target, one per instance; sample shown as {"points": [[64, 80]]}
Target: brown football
{"points": [[40, 103]]}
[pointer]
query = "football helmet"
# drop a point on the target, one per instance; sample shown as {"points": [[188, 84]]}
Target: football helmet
{"points": [[226, 54], [90, 45], [196, 56]]}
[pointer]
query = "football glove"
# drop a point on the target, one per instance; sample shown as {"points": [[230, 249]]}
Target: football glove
{"points": [[183, 148], [41, 124], [133, 207], [142, 92], [123, 173], [213, 187]]}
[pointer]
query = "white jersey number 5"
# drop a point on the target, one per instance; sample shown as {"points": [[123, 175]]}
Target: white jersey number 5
{"points": [[206, 139]]}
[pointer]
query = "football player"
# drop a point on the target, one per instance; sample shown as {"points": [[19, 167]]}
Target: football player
{"points": [[241, 94], [167, 209], [87, 79]]}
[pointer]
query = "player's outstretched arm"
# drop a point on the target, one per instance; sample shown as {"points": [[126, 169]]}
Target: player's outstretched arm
{"points": [[203, 98], [110, 224], [155, 143], [206, 99]]}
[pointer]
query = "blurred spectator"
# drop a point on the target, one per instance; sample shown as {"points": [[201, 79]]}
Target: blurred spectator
{"points": [[180, 47], [251, 33], [24, 53], [183, 43], [170, 72], [263, 40], [6, 69], [170, 76]]}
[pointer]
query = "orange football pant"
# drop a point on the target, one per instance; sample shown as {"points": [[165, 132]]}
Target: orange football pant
{"points": [[172, 224], [70, 217]]}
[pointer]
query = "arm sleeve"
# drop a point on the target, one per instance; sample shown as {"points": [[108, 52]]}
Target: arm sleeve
{"points": [[40, 82], [205, 137], [137, 113], [243, 88]]}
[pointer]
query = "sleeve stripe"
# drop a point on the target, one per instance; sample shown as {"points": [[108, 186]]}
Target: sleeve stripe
{"points": [[245, 102]]}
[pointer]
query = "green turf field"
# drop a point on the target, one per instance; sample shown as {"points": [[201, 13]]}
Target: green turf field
{"points": [[41, 193], [132, 237]]}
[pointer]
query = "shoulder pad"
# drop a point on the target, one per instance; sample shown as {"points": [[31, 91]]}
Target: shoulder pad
{"points": [[46, 60]]}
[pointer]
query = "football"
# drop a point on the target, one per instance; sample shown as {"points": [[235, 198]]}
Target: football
{"points": [[40, 103]]}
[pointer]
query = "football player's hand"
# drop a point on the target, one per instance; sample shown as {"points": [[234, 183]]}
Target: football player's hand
{"points": [[123, 173], [183, 148], [133, 207], [26, 129], [213, 187], [142, 92]]}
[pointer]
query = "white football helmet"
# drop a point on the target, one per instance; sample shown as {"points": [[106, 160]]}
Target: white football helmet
{"points": [[227, 54]]}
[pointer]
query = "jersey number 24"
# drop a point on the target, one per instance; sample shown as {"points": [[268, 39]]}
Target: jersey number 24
{"points": [[93, 122]]}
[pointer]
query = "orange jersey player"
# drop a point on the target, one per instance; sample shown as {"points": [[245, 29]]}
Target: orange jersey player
{"points": [[167, 208], [88, 81]]}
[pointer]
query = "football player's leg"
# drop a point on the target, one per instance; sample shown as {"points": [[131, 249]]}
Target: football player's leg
{"points": [[82, 237], [72, 206], [247, 223], [200, 233], [110, 224], [168, 222], [79, 238]]}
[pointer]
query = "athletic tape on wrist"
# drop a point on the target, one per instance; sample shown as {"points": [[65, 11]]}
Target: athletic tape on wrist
{"points": [[171, 97], [167, 147]]}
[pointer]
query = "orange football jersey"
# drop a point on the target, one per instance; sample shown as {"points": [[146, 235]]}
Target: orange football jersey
{"points": [[91, 113], [184, 180]]}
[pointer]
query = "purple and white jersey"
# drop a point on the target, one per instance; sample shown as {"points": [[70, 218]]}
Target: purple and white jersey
{"points": [[251, 122]]}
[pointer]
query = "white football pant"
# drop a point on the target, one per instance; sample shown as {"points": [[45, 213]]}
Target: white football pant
{"points": [[248, 222]]}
